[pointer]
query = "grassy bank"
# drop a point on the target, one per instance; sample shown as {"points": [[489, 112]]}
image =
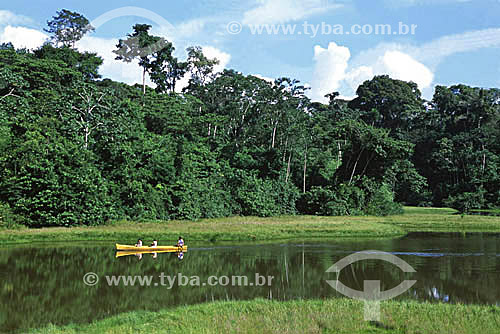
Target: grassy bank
{"points": [[329, 316], [222, 229], [254, 228]]}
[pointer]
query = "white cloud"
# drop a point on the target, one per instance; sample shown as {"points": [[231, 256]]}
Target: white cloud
{"points": [[262, 77], [190, 28], [356, 76], [435, 51], [22, 37], [402, 66], [330, 69], [10, 18], [130, 73], [334, 72], [281, 11], [223, 57]]}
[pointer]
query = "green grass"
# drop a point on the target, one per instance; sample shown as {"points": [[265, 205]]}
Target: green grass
{"points": [[442, 220], [487, 211], [261, 229], [317, 316]]}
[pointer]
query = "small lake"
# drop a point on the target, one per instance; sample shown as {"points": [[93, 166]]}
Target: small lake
{"points": [[44, 284]]}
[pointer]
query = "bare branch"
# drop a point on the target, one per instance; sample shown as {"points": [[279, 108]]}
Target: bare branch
{"points": [[11, 93]]}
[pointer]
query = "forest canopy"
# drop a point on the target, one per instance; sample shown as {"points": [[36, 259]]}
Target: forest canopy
{"points": [[76, 149]]}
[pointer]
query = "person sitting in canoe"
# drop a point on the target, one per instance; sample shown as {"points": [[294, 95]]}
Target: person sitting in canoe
{"points": [[180, 242], [139, 243], [155, 243]]}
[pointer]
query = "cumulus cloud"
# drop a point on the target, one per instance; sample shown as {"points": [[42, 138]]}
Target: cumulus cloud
{"points": [[402, 66], [223, 57], [334, 70], [357, 76], [281, 11], [330, 69], [22, 37]]}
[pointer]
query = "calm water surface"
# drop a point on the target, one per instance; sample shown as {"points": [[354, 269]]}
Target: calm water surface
{"points": [[44, 284]]}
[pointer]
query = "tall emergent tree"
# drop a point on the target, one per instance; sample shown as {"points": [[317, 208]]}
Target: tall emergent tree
{"points": [[68, 27], [139, 45]]}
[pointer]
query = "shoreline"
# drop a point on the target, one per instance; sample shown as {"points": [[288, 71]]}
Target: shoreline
{"points": [[241, 229]]}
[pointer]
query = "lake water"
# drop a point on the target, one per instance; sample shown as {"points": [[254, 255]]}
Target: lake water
{"points": [[44, 284]]}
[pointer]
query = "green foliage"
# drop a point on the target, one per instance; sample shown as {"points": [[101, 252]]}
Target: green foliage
{"points": [[86, 63], [75, 150], [467, 201], [388, 103], [8, 219], [200, 67], [155, 55], [364, 197], [324, 201], [200, 189], [381, 202], [260, 197], [51, 181], [68, 27], [165, 69], [457, 148]]}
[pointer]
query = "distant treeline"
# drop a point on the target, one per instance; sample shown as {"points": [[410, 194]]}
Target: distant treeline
{"points": [[78, 149]]}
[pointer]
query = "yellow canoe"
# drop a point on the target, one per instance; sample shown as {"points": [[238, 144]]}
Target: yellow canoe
{"points": [[150, 249]]}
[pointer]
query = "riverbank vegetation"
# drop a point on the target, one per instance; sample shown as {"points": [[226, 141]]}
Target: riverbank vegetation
{"points": [[77, 149], [328, 316], [414, 219]]}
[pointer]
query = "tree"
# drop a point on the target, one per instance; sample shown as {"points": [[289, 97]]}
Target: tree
{"points": [[457, 145], [68, 27], [165, 69], [50, 181], [85, 62], [88, 105], [139, 45], [388, 103], [200, 67]]}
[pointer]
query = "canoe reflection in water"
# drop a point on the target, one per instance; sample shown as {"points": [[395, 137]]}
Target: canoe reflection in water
{"points": [[154, 255]]}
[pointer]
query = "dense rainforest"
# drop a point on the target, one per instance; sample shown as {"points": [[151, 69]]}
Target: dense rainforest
{"points": [[77, 149]]}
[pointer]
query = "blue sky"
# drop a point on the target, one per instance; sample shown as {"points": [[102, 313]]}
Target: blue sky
{"points": [[455, 41]]}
